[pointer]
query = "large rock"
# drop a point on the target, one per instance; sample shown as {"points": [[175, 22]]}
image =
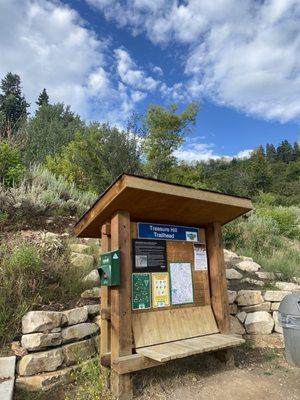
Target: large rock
{"points": [[236, 327], [233, 309], [232, 294], [266, 306], [40, 321], [82, 260], [275, 306], [275, 295], [265, 275], [78, 332], [248, 266], [251, 281], [7, 377], [46, 381], [241, 316], [230, 257], [249, 297], [274, 341], [93, 309], [231, 273], [93, 278], [45, 361], [80, 248], [38, 341], [77, 352], [76, 315], [288, 286], [92, 294], [277, 327], [259, 323]]}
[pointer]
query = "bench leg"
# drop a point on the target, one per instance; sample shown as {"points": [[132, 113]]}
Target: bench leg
{"points": [[226, 357], [121, 386]]}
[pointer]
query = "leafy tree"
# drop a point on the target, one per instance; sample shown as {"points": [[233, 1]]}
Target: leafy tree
{"points": [[52, 127], [166, 130], [95, 159], [11, 166], [43, 98], [13, 106]]}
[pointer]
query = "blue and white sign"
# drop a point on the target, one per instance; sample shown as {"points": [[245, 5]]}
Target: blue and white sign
{"points": [[167, 232]]}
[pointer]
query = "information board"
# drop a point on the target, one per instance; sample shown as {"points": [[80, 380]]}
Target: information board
{"points": [[200, 257], [149, 255], [141, 291], [160, 290], [181, 283], [167, 232]]}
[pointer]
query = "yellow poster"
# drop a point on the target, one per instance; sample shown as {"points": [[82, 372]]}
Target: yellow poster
{"points": [[160, 290]]}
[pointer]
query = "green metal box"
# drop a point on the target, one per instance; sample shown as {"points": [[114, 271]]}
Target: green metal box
{"points": [[109, 268]]}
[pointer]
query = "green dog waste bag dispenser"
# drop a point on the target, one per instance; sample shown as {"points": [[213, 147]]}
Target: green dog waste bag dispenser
{"points": [[109, 268]]}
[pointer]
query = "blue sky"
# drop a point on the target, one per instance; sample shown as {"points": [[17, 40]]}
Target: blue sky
{"points": [[108, 58]]}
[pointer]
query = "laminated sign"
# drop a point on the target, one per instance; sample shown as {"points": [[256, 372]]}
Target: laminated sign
{"points": [[160, 290], [141, 291]]}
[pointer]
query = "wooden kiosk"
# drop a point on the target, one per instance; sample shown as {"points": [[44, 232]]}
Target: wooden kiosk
{"points": [[172, 298]]}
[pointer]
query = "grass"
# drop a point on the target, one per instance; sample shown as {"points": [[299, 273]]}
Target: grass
{"points": [[33, 274], [90, 383]]}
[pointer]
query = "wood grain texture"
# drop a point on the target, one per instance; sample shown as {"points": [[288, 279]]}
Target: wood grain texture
{"points": [[121, 332], [188, 347], [154, 201], [168, 325], [217, 276], [105, 299]]}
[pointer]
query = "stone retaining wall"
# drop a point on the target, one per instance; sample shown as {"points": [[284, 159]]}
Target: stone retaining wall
{"points": [[53, 343]]}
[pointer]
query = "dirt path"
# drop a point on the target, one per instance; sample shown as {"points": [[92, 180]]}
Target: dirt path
{"points": [[258, 376]]}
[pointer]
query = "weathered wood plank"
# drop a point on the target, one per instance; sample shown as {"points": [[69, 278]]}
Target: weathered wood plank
{"points": [[217, 276]]}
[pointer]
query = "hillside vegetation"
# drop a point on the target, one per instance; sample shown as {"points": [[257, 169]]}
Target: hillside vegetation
{"points": [[53, 164]]}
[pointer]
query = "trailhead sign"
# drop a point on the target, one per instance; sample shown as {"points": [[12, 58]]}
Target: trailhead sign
{"points": [[167, 232], [149, 255]]}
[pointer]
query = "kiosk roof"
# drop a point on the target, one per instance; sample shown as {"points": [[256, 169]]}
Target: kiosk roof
{"points": [[151, 200]]}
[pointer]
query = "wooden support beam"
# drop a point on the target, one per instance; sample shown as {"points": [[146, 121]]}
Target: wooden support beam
{"points": [[132, 363], [105, 301], [121, 332], [217, 276], [106, 314], [105, 359]]}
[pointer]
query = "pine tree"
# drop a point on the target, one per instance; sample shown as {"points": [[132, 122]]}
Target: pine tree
{"points": [[13, 106], [285, 151], [271, 152], [296, 151], [43, 98]]}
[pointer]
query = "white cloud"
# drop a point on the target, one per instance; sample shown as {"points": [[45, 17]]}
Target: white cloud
{"points": [[131, 75], [193, 151], [243, 54], [49, 45]]}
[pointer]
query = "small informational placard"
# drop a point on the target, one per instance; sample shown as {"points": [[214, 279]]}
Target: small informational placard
{"points": [[141, 291], [149, 255], [160, 290], [167, 232], [200, 257], [181, 283]]}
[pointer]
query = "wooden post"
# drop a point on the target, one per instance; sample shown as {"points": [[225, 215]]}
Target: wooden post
{"points": [[121, 331], [217, 276], [105, 300]]}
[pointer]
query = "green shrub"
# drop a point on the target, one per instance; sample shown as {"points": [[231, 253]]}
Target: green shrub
{"points": [[11, 166], [287, 221], [286, 261]]}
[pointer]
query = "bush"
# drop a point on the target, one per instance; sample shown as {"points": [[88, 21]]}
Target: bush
{"points": [[286, 261], [11, 166], [40, 193], [287, 221]]}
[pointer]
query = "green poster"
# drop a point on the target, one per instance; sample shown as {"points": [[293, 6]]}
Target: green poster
{"points": [[141, 291]]}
